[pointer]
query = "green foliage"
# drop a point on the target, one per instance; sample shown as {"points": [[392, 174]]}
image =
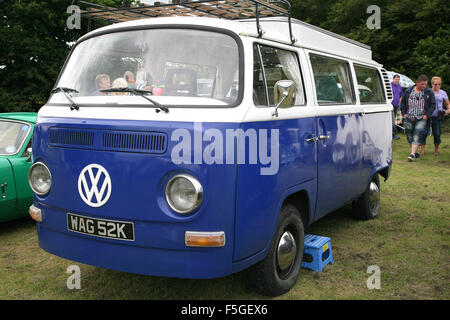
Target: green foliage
{"points": [[414, 38], [35, 43], [414, 35], [431, 55]]}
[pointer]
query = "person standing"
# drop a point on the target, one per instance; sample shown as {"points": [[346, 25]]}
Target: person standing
{"points": [[441, 98], [417, 106], [397, 92]]}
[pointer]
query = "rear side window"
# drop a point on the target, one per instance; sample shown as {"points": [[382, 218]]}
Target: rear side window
{"points": [[369, 85], [271, 65], [332, 80]]}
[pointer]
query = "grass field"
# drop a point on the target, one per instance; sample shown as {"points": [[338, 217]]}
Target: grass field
{"points": [[409, 241]]}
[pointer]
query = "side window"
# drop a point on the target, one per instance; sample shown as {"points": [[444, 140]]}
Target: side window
{"points": [[30, 143], [332, 80], [277, 64], [259, 87], [369, 85]]}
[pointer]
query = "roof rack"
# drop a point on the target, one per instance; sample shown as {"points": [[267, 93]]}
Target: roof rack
{"points": [[226, 9]]}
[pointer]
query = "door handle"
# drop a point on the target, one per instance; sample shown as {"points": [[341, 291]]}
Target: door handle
{"points": [[3, 186], [323, 137], [313, 139]]}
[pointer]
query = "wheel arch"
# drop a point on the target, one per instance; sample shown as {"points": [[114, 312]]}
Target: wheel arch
{"points": [[301, 201]]}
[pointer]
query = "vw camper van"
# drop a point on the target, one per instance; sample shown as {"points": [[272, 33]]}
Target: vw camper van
{"points": [[136, 169]]}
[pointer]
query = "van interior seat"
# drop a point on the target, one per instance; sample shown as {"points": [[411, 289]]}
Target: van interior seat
{"points": [[181, 82]]}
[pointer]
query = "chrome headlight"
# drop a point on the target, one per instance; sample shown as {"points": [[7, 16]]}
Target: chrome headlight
{"points": [[39, 178], [184, 193]]}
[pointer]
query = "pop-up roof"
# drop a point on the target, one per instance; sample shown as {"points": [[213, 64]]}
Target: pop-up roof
{"points": [[226, 9]]}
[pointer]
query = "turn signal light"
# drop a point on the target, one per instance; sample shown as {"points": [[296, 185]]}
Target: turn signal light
{"points": [[204, 239], [35, 213]]}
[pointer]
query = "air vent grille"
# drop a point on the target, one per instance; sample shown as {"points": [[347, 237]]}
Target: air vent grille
{"points": [[71, 137], [151, 142], [108, 140], [387, 84]]}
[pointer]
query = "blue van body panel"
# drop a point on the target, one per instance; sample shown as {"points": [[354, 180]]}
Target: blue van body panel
{"points": [[195, 263], [238, 199], [376, 144], [138, 186], [339, 162], [359, 146], [260, 197]]}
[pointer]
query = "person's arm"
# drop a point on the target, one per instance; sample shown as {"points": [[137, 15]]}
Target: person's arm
{"points": [[429, 109], [403, 106], [447, 102], [401, 96]]}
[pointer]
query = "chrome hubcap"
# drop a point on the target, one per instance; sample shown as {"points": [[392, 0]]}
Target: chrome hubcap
{"points": [[287, 249], [374, 197]]}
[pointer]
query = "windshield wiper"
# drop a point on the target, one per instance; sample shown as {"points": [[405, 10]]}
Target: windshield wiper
{"points": [[68, 96], [141, 93]]}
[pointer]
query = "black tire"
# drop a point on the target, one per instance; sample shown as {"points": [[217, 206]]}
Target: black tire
{"points": [[368, 205], [266, 276]]}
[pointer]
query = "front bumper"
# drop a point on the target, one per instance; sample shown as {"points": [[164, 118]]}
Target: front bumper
{"points": [[159, 249]]}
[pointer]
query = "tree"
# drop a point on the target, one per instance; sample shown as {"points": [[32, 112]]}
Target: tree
{"points": [[413, 38], [35, 43]]}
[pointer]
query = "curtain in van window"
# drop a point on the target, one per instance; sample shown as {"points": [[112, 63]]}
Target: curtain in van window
{"points": [[345, 83], [277, 65], [290, 66]]}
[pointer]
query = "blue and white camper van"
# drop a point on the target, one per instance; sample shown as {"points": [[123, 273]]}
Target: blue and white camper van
{"points": [[136, 169]]}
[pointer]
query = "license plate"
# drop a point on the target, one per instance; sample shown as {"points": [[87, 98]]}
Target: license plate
{"points": [[110, 229]]}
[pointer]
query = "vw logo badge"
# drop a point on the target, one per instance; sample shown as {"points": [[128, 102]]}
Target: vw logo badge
{"points": [[94, 185]]}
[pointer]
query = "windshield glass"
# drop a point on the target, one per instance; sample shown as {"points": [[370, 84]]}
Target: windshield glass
{"points": [[12, 135], [184, 67]]}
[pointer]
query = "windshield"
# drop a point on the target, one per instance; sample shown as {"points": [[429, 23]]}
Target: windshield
{"points": [[183, 67], [12, 135]]}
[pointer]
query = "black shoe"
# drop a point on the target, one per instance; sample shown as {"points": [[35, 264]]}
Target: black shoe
{"points": [[412, 157], [396, 137], [417, 155]]}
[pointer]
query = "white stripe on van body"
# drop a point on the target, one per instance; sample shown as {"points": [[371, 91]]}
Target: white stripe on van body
{"points": [[231, 115]]}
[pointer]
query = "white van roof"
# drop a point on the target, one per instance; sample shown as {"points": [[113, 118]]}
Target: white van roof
{"points": [[315, 38], [275, 29]]}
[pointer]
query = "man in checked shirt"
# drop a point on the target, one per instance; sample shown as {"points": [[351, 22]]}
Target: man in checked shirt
{"points": [[417, 106]]}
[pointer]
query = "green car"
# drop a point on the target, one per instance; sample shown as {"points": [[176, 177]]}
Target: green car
{"points": [[16, 131]]}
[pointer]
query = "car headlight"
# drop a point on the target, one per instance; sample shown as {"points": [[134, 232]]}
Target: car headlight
{"points": [[184, 193], [39, 178]]}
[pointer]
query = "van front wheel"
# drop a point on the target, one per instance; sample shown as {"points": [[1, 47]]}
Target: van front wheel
{"points": [[278, 272], [368, 205]]}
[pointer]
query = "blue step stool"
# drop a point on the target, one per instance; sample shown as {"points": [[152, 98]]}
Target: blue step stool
{"points": [[317, 253]]}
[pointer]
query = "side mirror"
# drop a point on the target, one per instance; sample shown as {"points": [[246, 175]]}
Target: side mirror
{"points": [[29, 154], [284, 95]]}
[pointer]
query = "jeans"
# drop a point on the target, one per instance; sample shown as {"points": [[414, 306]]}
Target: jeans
{"points": [[436, 129], [416, 131], [427, 131]]}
